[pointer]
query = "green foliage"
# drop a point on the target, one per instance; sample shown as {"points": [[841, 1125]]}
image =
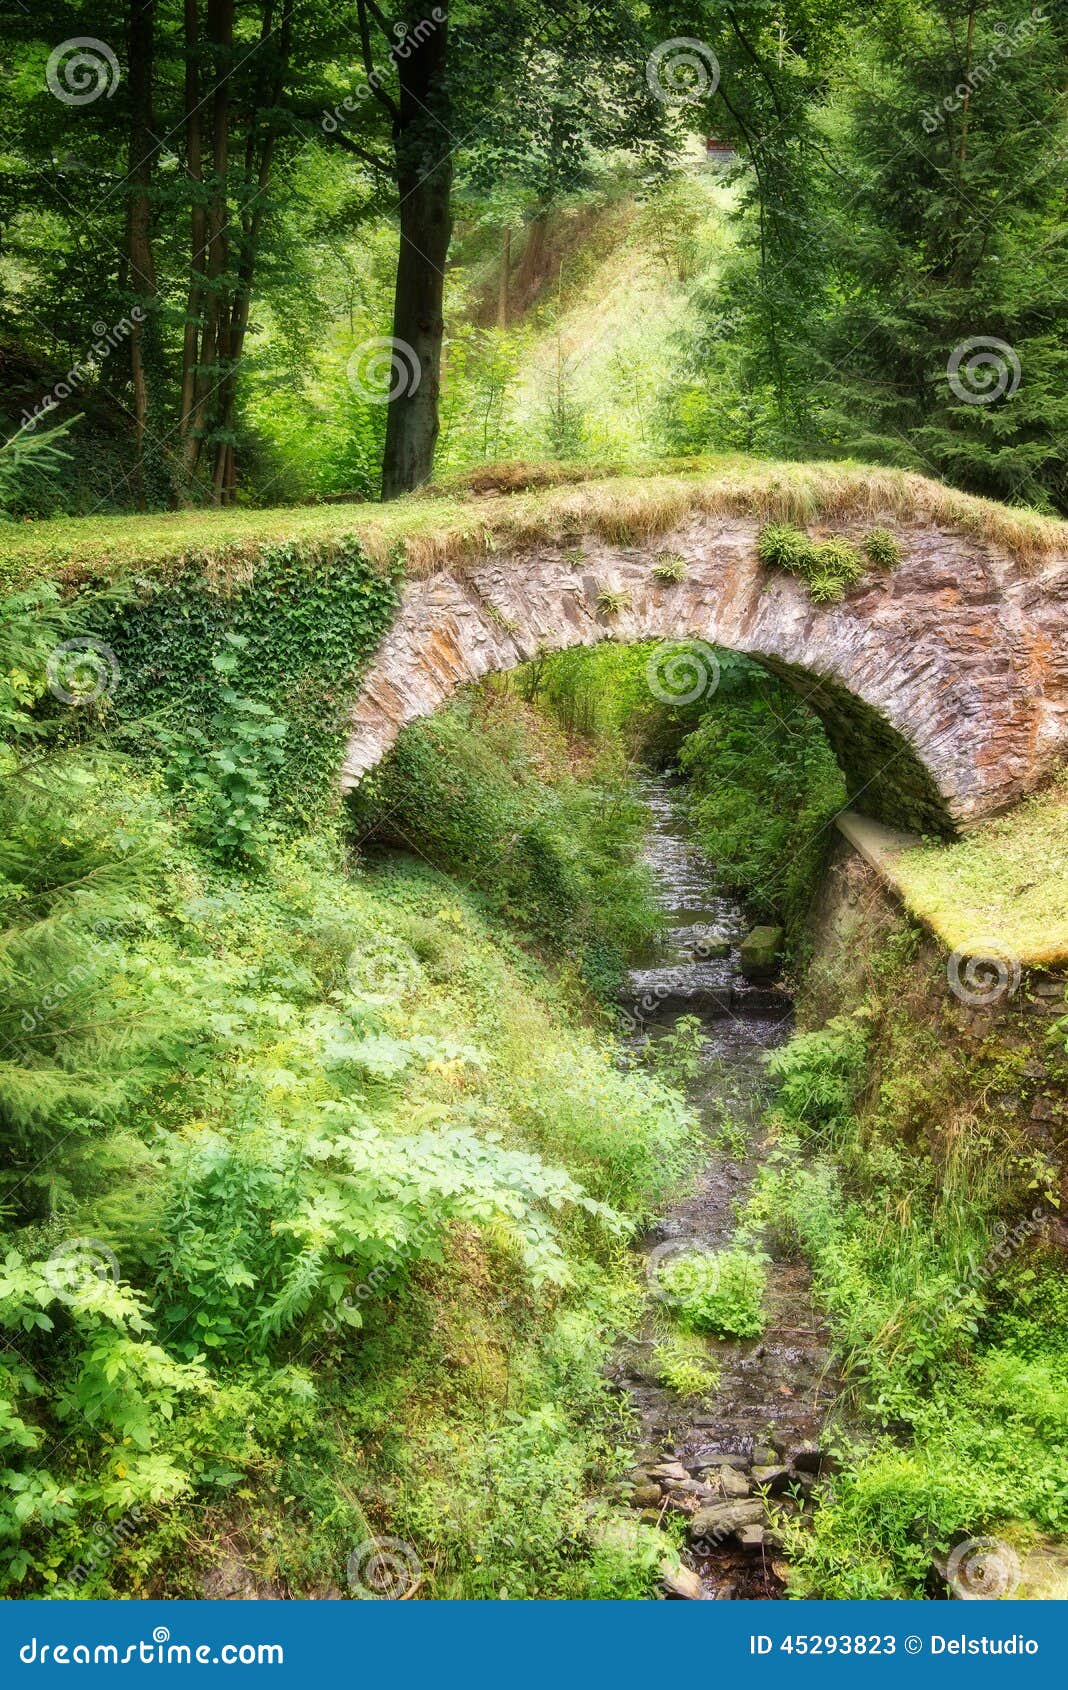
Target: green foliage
{"points": [[610, 601], [669, 569], [819, 1076], [883, 551], [763, 786], [721, 1291], [949, 1324], [731, 1139], [469, 790], [676, 1055], [827, 567], [781, 546], [683, 1364], [30, 462], [277, 1144], [289, 646]]}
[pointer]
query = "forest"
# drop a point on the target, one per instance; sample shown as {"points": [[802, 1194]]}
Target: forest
{"points": [[611, 1146]]}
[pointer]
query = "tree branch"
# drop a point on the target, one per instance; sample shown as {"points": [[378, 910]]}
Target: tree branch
{"points": [[385, 99]]}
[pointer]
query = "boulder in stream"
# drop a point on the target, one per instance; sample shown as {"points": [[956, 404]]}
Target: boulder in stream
{"points": [[759, 952]]}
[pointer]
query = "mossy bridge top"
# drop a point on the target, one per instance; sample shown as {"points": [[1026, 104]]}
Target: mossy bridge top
{"points": [[942, 682]]}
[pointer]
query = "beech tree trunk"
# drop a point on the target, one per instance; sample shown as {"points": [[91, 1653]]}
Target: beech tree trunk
{"points": [[424, 181]]}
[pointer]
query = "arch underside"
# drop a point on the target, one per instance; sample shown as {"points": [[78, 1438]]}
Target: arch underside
{"points": [[934, 683]]}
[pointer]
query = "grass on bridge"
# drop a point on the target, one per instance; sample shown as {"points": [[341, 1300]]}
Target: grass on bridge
{"points": [[514, 505]]}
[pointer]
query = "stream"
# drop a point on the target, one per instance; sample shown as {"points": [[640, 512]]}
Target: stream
{"points": [[756, 1435]]}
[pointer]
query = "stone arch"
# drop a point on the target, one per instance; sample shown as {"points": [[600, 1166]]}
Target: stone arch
{"points": [[943, 685]]}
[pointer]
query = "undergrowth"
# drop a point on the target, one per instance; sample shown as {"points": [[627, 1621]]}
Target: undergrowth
{"points": [[923, 1212]]}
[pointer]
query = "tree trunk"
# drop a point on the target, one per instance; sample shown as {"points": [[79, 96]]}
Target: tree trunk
{"points": [[259, 161], [214, 335], [424, 181], [198, 228], [143, 335], [502, 281]]}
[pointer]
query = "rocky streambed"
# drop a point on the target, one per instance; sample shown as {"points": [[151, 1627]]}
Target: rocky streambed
{"points": [[735, 1460]]}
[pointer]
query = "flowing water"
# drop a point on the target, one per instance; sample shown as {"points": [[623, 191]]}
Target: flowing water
{"points": [[757, 1433]]}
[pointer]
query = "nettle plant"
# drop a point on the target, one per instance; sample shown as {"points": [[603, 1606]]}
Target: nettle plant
{"points": [[720, 1292]]}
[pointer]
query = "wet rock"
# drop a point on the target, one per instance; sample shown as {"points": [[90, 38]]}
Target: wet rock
{"points": [[773, 1479], [706, 1459], [764, 1455], [759, 1000], [758, 953], [681, 1582], [673, 1471], [645, 1494], [807, 1457], [731, 1484], [723, 1519]]}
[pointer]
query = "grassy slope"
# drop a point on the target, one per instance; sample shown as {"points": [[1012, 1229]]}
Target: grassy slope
{"points": [[911, 1171], [464, 1359]]}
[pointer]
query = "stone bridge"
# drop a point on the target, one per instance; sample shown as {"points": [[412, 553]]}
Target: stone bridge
{"points": [[942, 685]]}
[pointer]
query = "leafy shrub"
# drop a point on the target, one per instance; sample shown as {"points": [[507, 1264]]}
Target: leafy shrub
{"points": [[676, 1055], [819, 1075], [720, 1292], [684, 1365]]}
